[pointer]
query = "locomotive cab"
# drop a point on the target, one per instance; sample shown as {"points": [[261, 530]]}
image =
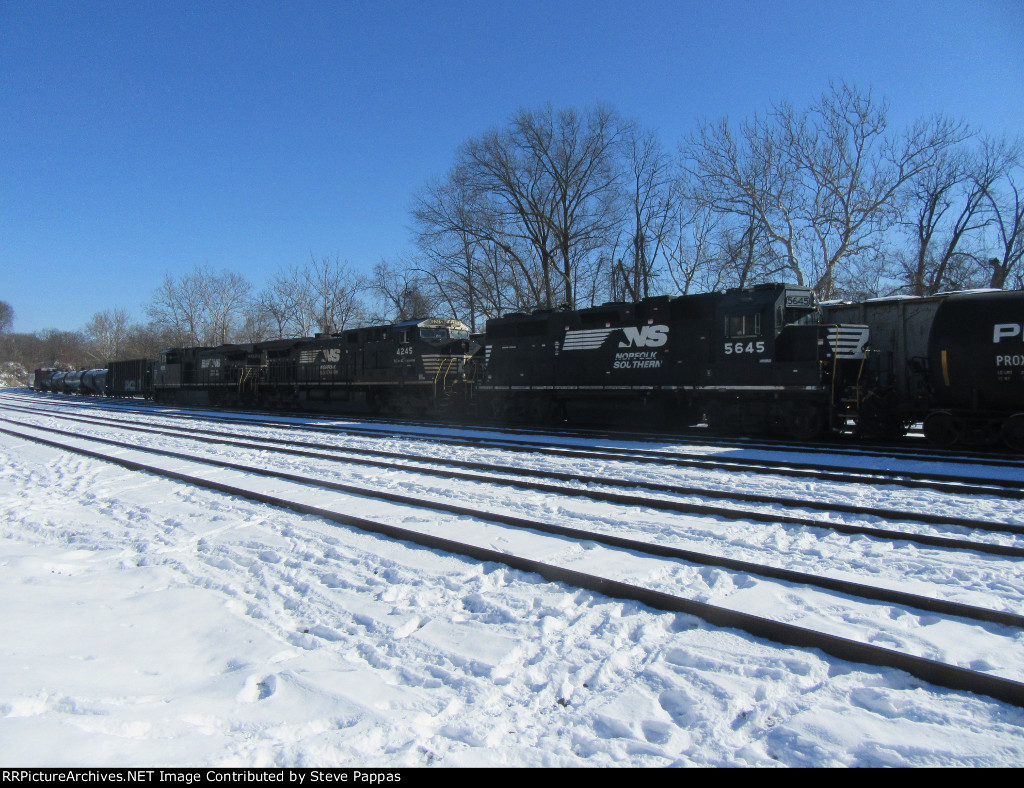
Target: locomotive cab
{"points": [[768, 336], [438, 352], [775, 367]]}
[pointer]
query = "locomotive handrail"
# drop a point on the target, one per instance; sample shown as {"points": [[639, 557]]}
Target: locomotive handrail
{"points": [[442, 369]]}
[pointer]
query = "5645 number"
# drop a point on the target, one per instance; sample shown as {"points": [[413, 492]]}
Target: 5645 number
{"points": [[739, 348]]}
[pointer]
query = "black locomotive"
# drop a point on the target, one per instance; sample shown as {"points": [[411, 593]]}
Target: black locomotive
{"points": [[750, 360], [765, 359], [416, 366]]}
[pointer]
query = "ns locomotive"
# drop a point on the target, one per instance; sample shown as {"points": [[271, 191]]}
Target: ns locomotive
{"points": [[413, 366], [749, 361]]}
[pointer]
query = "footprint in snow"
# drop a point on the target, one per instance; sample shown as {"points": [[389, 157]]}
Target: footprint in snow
{"points": [[257, 688]]}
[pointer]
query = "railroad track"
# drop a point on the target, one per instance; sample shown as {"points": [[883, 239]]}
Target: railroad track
{"points": [[528, 436], [978, 622], [545, 443], [683, 500]]}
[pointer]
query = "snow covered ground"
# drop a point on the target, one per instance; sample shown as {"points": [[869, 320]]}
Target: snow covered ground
{"points": [[149, 623]]}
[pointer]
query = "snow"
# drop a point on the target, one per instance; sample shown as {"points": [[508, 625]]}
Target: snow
{"points": [[151, 623]]}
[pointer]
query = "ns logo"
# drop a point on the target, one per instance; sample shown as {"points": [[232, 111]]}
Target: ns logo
{"points": [[645, 336]]}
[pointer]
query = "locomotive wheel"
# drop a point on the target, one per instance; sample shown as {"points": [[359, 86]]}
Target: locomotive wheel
{"points": [[1013, 433], [806, 423], [941, 429]]}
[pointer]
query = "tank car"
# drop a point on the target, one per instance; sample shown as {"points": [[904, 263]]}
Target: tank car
{"points": [[954, 362], [749, 360], [94, 382], [56, 382], [976, 370], [72, 382]]}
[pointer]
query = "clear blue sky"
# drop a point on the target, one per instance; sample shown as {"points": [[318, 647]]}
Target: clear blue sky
{"points": [[144, 137]]}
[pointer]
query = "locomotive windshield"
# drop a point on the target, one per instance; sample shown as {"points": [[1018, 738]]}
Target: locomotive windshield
{"points": [[800, 317], [444, 333]]}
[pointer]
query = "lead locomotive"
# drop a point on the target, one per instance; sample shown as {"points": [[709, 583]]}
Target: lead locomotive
{"points": [[749, 360]]}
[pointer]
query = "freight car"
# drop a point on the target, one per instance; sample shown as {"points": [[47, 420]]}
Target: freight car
{"points": [[416, 366], [82, 381], [129, 378], [40, 379], [750, 360], [952, 361], [94, 381]]}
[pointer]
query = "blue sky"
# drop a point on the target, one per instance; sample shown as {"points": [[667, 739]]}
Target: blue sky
{"points": [[138, 138]]}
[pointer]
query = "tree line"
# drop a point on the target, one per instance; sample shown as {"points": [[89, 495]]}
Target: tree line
{"points": [[575, 207], [570, 207], [202, 307]]}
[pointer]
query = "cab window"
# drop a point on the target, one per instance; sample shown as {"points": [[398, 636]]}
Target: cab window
{"points": [[743, 325]]}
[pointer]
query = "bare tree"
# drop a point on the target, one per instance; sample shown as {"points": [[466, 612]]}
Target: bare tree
{"points": [[577, 154], [820, 185], [272, 310], [63, 349], [513, 199], [689, 250], [177, 307], [650, 200], [750, 179], [286, 304], [331, 293], [453, 234], [145, 341], [225, 299], [403, 290], [853, 171], [943, 211], [543, 193], [200, 307], [107, 332], [1006, 209], [6, 317], [257, 323], [321, 296]]}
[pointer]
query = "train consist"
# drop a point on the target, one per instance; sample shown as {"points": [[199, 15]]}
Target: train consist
{"points": [[761, 360]]}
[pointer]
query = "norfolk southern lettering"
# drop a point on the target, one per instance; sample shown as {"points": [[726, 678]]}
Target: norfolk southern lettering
{"points": [[639, 359]]}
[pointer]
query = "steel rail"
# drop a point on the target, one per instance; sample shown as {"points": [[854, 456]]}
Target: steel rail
{"points": [[929, 604]]}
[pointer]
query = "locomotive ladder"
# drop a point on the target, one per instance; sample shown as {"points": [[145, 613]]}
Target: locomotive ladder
{"points": [[248, 380], [848, 343], [445, 380]]}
